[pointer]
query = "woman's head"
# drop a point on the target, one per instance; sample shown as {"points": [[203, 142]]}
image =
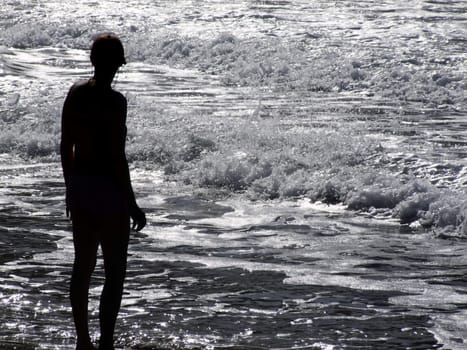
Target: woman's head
{"points": [[107, 56], [107, 50]]}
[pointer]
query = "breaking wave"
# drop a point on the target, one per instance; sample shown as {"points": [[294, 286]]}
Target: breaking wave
{"points": [[263, 156]]}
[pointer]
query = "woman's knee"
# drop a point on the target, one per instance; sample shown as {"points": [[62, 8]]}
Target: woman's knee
{"points": [[83, 267]]}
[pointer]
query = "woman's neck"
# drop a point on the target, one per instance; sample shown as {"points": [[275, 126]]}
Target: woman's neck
{"points": [[101, 83]]}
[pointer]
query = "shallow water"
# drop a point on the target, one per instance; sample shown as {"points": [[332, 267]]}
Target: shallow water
{"points": [[237, 275], [302, 164]]}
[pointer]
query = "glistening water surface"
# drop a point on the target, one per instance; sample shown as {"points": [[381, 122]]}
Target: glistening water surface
{"points": [[302, 164]]}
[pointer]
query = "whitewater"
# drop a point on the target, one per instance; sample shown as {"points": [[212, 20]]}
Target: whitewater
{"points": [[302, 165]]}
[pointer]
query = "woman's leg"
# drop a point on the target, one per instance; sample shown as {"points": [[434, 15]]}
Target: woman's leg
{"points": [[85, 244], [114, 243]]}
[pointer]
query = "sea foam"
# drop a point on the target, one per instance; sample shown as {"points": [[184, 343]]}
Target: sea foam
{"points": [[333, 157]]}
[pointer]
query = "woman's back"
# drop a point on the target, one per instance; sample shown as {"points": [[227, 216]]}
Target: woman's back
{"points": [[98, 129]]}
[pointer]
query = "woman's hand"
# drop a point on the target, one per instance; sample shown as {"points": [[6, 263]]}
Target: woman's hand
{"points": [[138, 217], [67, 203]]}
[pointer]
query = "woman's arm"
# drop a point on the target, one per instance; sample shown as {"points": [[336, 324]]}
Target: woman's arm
{"points": [[123, 173], [67, 141]]}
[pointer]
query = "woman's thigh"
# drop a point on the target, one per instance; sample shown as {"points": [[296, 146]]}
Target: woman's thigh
{"points": [[114, 238], [85, 239]]}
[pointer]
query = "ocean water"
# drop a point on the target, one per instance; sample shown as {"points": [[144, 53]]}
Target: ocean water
{"points": [[302, 163]]}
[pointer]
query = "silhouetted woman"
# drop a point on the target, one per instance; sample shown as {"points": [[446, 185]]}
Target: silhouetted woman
{"points": [[99, 194]]}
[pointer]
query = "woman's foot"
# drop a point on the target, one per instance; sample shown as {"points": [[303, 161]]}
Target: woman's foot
{"points": [[110, 347], [85, 346], [104, 346]]}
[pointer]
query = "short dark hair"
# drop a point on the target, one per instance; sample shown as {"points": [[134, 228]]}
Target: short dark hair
{"points": [[107, 49]]}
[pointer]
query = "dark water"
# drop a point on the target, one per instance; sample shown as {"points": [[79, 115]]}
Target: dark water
{"points": [[244, 120], [320, 280]]}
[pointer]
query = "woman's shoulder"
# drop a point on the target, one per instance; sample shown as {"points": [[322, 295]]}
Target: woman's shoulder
{"points": [[119, 96], [119, 99], [78, 88], [80, 85]]}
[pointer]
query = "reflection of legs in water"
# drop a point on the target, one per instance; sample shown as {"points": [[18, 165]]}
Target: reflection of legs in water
{"points": [[112, 232], [114, 245], [86, 243]]}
